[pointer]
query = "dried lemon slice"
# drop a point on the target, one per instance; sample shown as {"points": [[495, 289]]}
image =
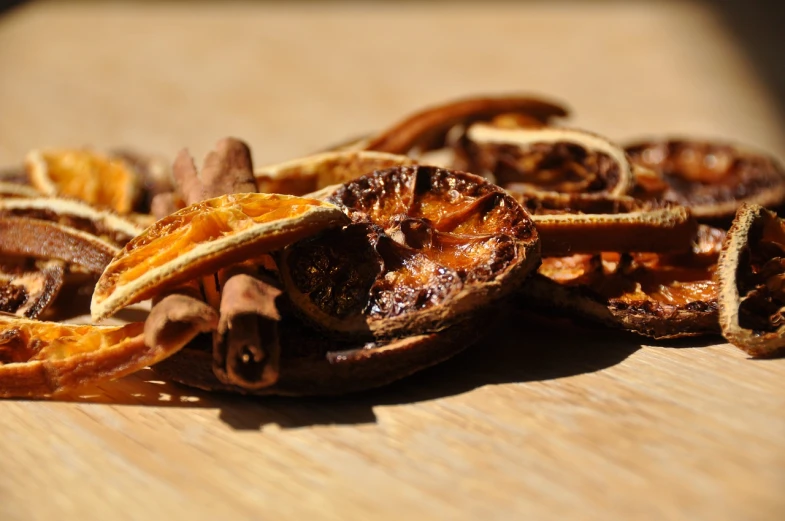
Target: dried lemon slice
{"points": [[95, 178], [204, 237], [312, 173], [751, 274], [533, 160], [45, 358]]}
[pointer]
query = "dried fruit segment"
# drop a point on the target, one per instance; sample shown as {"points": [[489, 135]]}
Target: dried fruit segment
{"points": [[428, 129], [309, 174], [752, 282], [427, 248], [46, 358], [200, 239], [657, 295], [28, 288], [97, 179], [536, 159], [712, 179], [570, 224]]}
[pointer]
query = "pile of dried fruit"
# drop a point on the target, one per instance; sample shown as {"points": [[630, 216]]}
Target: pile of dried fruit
{"points": [[357, 266]]}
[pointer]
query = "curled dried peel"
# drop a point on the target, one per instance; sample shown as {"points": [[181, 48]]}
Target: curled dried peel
{"points": [[200, 239], [657, 295], [95, 178], [21, 236], [46, 358], [27, 289], [541, 159], [427, 129], [74, 214], [751, 276], [312, 173], [426, 248], [713, 179], [570, 224]]}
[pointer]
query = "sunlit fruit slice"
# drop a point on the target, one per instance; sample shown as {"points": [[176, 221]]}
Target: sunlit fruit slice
{"points": [[75, 214], [751, 277], [712, 179], [312, 364], [97, 179], [25, 237], [45, 358], [27, 288], [657, 295], [427, 129], [579, 223], [427, 248], [537, 159], [312, 173], [204, 237]]}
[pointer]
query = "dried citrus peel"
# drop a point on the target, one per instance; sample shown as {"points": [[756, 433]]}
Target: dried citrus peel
{"points": [[202, 238]]}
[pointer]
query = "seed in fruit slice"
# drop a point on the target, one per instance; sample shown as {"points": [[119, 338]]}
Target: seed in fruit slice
{"points": [[712, 179], [751, 277], [312, 173], [24, 237], [578, 223], [427, 129], [95, 178], [427, 247], [204, 237], [74, 214], [657, 295], [28, 288], [311, 364], [533, 160]]}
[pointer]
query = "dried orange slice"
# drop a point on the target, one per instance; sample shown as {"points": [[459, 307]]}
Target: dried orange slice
{"points": [[533, 160], [427, 248], [46, 358], [427, 129], [74, 214], [712, 179], [24, 237], [98, 179], [312, 173], [204, 237], [657, 295], [28, 288], [570, 224], [751, 277]]}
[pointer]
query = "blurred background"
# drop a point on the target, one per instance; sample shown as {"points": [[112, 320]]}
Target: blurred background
{"points": [[294, 77]]}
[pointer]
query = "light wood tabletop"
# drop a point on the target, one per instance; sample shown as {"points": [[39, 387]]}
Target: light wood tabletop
{"points": [[541, 420]]}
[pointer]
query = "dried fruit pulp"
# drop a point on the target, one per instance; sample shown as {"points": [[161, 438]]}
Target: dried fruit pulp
{"points": [[762, 283]]}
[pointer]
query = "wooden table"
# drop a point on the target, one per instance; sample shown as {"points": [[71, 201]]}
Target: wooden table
{"points": [[544, 421]]}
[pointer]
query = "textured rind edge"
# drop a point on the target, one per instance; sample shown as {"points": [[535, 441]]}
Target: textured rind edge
{"points": [[311, 164], [36, 166], [541, 293], [490, 134], [727, 271], [39, 378], [316, 219]]}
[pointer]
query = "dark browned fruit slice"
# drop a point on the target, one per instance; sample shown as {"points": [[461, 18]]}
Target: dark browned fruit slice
{"points": [[309, 174], [24, 237], [712, 179], [28, 288], [541, 159], [577, 223], [427, 129], [427, 247], [657, 295], [751, 277], [311, 364]]}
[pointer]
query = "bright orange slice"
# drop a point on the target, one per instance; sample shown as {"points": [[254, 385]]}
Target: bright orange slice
{"points": [[203, 238], [45, 358], [100, 180]]}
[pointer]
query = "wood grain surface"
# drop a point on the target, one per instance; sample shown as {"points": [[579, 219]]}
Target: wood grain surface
{"points": [[542, 420]]}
